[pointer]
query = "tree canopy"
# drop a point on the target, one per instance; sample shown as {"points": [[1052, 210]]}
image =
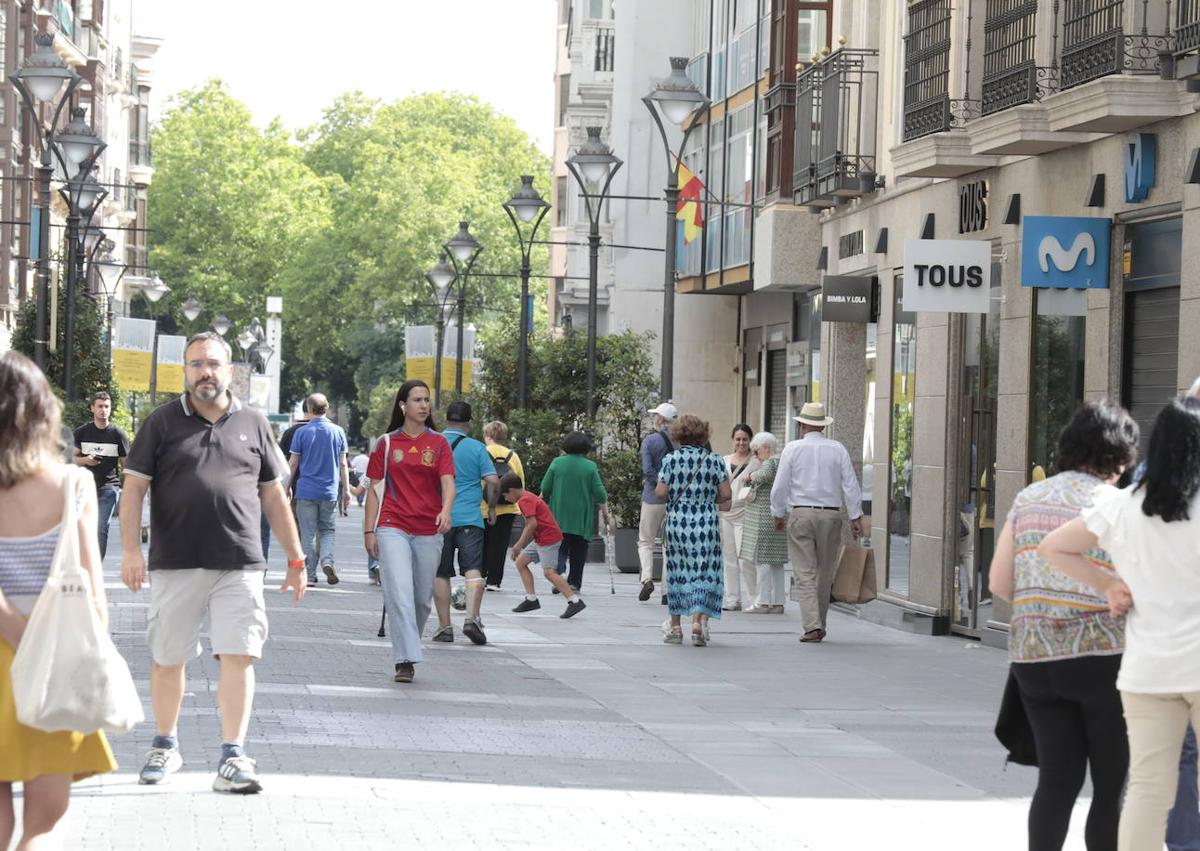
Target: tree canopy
{"points": [[342, 221]]}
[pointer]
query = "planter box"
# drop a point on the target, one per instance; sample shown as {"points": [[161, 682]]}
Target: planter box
{"points": [[627, 554]]}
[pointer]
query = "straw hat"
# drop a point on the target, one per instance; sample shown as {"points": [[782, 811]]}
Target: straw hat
{"points": [[813, 414]]}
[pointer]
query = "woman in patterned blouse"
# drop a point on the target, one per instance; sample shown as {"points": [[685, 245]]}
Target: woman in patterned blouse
{"points": [[1065, 645]]}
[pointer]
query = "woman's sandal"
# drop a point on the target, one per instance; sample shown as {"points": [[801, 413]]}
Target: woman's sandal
{"points": [[673, 636], [699, 636]]}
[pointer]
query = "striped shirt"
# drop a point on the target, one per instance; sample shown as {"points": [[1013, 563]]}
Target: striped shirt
{"points": [[24, 567], [1054, 617]]}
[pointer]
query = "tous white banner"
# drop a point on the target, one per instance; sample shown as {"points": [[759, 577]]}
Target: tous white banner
{"points": [[947, 275]]}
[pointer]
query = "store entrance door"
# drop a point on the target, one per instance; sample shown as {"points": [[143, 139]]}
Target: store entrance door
{"points": [[976, 466], [1151, 362]]}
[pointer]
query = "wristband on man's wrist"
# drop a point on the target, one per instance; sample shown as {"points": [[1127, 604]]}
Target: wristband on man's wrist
{"points": [[296, 563], [368, 531]]}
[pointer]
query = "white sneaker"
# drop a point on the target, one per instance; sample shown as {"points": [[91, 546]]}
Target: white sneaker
{"points": [[758, 609], [238, 775], [160, 763]]}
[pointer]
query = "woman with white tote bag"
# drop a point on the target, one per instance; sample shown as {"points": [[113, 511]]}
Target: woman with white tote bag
{"points": [[34, 486]]}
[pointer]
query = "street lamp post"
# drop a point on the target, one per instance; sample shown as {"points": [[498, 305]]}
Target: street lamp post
{"points": [[679, 100], [527, 206], [441, 277], [464, 249], [593, 163], [38, 81]]}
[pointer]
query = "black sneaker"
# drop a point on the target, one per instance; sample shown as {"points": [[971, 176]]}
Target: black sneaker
{"points": [[647, 591], [445, 634], [312, 581], [527, 606], [555, 591], [573, 609], [404, 672], [473, 630], [330, 573]]}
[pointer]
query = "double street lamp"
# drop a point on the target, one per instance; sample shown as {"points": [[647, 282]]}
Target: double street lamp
{"points": [[678, 99], [40, 81], [525, 206], [454, 266], [592, 164]]}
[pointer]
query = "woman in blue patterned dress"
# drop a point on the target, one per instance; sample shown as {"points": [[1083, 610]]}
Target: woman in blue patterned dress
{"points": [[693, 480]]}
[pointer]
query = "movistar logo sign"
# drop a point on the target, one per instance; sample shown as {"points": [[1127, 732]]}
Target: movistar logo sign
{"points": [[1065, 252], [1141, 156], [1066, 258]]}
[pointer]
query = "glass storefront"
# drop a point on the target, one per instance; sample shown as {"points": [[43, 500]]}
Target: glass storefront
{"points": [[904, 389], [976, 484], [1056, 373]]}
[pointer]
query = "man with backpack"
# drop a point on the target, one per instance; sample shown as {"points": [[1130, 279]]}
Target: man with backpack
{"points": [[496, 537], [655, 447], [475, 480]]}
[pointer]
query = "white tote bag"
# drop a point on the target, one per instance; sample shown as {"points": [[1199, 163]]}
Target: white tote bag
{"points": [[67, 673]]}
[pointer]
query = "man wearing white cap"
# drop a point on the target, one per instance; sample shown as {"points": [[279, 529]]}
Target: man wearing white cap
{"points": [[655, 447], [815, 480]]}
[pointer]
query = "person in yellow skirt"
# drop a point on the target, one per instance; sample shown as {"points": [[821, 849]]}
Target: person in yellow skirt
{"points": [[32, 478]]}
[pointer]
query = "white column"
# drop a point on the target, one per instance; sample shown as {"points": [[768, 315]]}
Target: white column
{"points": [[274, 331]]}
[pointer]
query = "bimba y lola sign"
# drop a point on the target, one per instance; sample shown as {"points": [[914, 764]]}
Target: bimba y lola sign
{"points": [[947, 275]]}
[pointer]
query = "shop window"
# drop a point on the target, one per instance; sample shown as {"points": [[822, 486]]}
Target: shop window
{"points": [[868, 457], [904, 390], [1056, 377]]}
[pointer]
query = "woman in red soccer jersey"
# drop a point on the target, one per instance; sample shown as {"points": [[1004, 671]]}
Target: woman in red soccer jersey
{"points": [[417, 466]]}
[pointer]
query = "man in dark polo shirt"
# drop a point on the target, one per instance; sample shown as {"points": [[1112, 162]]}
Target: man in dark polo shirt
{"points": [[99, 445], [214, 466]]}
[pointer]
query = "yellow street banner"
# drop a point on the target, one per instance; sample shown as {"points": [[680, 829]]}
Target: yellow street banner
{"points": [[132, 369], [169, 376], [420, 354], [133, 352]]}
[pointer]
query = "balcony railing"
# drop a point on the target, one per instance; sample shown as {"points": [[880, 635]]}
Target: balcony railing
{"points": [[927, 69], [604, 50], [139, 153], [1010, 73], [835, 127], [1187, 26], [1095, 43]]}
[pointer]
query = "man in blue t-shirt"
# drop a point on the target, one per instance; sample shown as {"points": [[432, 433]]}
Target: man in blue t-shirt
{"points": [[475, 479], [319, 460]]}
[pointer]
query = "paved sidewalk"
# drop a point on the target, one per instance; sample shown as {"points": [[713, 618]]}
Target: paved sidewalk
{"points": [[584, 733]]}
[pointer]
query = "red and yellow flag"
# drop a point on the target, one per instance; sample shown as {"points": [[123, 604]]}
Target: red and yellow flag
{"points": [[690, 210]]}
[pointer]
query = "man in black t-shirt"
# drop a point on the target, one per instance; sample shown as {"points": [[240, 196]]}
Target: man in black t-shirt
{"points": [[100, 445]]}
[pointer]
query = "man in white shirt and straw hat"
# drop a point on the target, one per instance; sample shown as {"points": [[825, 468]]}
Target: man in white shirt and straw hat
{"points": [[815, 489]]}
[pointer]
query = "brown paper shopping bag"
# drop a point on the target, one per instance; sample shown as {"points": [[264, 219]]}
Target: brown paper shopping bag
{"points": [[854, 581]]}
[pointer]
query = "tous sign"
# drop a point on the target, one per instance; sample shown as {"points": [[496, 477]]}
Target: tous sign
{"points": [[947, 275]]}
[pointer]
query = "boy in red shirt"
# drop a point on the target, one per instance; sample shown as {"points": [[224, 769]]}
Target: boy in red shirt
{"points": [[543, 538]]}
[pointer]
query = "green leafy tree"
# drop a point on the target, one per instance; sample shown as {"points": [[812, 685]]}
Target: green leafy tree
{"points": [[234, 208], [93, 371]]}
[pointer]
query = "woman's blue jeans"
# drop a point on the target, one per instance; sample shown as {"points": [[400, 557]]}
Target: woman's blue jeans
{"points": [[407, 567]]}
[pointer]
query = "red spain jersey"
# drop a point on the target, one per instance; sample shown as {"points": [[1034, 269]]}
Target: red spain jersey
{"points": [[413, 495]]}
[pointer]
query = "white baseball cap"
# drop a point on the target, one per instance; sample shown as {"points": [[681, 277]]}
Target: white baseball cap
{"points": [[666, 410]]}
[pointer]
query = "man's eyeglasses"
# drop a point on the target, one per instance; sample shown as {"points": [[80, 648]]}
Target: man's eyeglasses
{"points": [[201, 364]]}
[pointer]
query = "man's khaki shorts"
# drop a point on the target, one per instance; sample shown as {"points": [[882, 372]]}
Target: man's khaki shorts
{"points": [[179, 601]]}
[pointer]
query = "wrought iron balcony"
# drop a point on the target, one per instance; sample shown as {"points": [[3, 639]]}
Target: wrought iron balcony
{"points": [[1011, 76], [927, 69], [139, 154], [1095, 43], [835, 127], [605, 49], [1187, 27]]}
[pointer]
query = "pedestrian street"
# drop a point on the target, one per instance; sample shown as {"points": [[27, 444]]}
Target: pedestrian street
{"points": [[581, 733]]}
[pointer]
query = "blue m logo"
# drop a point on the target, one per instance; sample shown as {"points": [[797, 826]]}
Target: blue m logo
{"points": [[1141, 157], [1064, 252]]}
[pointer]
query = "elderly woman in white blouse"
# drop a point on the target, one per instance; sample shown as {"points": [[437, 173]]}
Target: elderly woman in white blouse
{"points": [[762, 544]]}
